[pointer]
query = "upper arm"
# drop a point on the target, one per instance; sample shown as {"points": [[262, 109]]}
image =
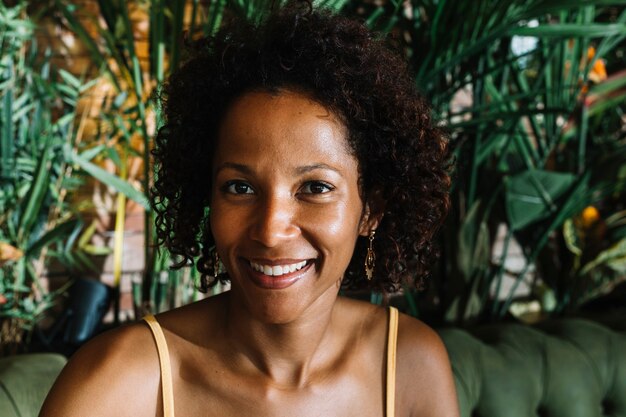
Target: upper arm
{"points": [[424, 372], [115, 374]]}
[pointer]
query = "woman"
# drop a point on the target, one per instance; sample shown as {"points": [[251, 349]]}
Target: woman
{"points": [[297, 158]]}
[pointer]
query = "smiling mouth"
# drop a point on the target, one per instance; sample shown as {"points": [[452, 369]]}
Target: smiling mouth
{"points": [[276, 277], [277, 270]]}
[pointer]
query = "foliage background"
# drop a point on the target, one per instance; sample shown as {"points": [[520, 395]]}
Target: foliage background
{"points": [[532, 93], [37, 134]]}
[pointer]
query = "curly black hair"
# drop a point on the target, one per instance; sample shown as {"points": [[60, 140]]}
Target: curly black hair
{"points": [[343, 66]]}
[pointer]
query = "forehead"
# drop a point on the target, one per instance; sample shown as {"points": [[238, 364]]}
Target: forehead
{"points": [[285, 125]]}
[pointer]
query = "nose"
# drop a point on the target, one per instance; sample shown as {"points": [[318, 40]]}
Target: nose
{"points": [[274, 221]]}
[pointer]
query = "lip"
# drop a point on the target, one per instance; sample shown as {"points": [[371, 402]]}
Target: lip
{"points": [[277, 282]]}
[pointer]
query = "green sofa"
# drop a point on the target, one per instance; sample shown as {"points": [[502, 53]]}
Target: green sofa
{"points": [[571, 368], [24, 382]]}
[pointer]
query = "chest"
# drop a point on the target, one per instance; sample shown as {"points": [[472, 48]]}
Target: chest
{"points": [[350, 389]]}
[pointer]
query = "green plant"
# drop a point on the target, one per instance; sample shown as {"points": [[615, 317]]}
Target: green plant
{"points": [[36, 131], [536, 134], [536, 130]]}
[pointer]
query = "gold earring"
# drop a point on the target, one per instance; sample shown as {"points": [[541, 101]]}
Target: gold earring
{"points": [[370, 257]]}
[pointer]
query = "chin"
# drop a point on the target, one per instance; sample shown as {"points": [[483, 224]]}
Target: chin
{"points": [[284, 307]]}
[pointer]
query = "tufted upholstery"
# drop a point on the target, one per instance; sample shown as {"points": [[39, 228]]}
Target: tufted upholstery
{"points": [[573, 368], [25, 381]]}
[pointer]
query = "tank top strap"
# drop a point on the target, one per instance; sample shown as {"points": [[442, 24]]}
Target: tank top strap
{"points": [[166, 371], [392, 339], [164, 362]]}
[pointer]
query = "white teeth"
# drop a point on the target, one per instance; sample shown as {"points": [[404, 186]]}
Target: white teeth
{"points": [[277, 270]]}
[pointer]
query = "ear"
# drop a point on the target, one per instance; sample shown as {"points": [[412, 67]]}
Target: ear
{"points": [[373, 212]]}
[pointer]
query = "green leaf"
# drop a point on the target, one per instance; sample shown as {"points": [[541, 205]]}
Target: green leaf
{"points": [[97, 250], [85, 263], [36, 192], [452, 311], [60, 232], [109, 179], [114, 156], [70, 79], [572, 238], [616, 219], [87, 234], [474, 248], [70, 93], [6, 130], [571, 30], [335, 5], [607, 103], [65, 121], [91, 153], [531, 196], [613, 257], [474, 303]]}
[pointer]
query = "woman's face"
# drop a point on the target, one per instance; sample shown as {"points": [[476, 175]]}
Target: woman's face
{"points": [[285, 209]]}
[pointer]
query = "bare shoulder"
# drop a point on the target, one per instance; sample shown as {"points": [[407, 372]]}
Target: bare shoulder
{"points": [[424, 376], [116, 373]]}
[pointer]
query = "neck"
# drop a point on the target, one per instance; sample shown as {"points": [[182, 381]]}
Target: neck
{"points": [[290, 354]]}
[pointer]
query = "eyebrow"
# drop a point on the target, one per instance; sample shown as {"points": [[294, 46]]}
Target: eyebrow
{"points": [[308, 168], [244, 169]]}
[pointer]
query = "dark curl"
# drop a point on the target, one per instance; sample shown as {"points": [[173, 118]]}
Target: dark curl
{"points": [[339, 63]]}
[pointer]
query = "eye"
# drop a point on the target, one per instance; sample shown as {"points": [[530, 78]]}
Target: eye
{"points": [[238, 187], [316, 187]]}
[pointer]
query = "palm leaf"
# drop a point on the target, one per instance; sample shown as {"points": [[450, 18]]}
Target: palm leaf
{"points": [[531, 195], [109, 179]]}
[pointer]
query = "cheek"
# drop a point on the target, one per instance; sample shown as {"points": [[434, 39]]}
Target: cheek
{"points": [[342, 222], [336, 230]]}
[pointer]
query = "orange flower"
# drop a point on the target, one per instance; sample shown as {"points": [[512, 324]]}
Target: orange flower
{"points": [[589, 216], [3, 299], [598, 72]]}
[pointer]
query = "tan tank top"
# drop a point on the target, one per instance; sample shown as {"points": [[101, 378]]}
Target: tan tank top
{"points": [[166, 369]]}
